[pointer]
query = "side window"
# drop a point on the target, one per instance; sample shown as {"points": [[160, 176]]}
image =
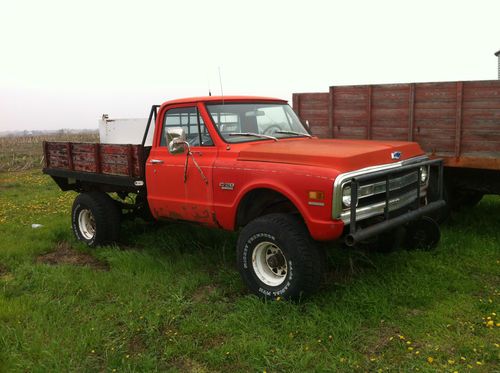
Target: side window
{"points": [[190, 120]]}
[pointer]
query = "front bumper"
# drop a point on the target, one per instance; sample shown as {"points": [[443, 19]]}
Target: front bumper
{"points": [[406, 213]]}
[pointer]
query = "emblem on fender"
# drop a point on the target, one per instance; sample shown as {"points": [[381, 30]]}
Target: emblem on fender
{"points": [[226, 186], [396, 155]]}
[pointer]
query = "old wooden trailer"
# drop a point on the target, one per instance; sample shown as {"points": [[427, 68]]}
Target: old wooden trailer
{"points": [[456, 121]]}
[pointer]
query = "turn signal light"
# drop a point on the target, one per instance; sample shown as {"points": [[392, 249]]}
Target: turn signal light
{"points": [[316, 195]]}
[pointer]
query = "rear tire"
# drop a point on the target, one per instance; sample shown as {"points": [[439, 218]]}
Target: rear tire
{"points": [[277, 257], [95, 218]]}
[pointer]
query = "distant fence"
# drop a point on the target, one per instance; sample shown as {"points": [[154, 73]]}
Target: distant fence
{"points": [[19, 153]]}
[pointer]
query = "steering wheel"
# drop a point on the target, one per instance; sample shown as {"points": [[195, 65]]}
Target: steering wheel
{"points": [[272, 129]]}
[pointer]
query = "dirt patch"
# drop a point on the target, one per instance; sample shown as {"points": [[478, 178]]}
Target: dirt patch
{"points": [[214, 341], [386, 335], [136, 345], [414, 312], [5, 275], [3, 270], [185, 364], [65, 254], [203, 293]]}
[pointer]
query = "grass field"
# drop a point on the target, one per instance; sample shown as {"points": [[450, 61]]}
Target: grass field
{"points": [[168, 298]]}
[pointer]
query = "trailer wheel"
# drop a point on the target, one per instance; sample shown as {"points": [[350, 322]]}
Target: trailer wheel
{"points": [[277, 257], [442, 214], [422, 234], [95, 218], [467, 198], [386, 242]]}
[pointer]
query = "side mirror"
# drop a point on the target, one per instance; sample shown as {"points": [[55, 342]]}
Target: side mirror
{"points": [[176, 140]]}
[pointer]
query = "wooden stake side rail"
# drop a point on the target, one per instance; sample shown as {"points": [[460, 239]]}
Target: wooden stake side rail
{"points": [[457, 121], [109, 159]]}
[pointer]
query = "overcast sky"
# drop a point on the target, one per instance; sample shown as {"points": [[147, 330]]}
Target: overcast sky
{"points": [[64, 63]]}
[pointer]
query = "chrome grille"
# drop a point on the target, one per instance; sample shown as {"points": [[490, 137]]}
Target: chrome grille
{"points": [[403, 188]]}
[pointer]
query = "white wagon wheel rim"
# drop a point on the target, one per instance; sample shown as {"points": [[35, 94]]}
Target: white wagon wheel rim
{"points": [[269, 264], [86, 223]]}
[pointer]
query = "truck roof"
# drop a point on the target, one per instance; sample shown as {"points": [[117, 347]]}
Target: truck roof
{"points": [[221, 98]]}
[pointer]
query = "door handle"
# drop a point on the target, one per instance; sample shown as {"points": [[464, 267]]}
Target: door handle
{"points": [[156, 161]]}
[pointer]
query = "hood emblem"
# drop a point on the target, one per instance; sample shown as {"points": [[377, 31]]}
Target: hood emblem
{"points": [[396, 155]]}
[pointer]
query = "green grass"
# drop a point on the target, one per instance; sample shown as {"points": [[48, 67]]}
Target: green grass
{"points": [[171, 299]]}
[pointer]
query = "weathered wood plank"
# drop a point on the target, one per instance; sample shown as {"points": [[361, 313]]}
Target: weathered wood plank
{"points": [[115, 159], [322, 132]]}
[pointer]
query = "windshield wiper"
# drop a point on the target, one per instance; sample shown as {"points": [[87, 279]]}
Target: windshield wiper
{"points": [[247, 134], [294, 133]]}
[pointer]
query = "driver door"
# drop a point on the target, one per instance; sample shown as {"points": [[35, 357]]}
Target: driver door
{"points": [[174, 191]]}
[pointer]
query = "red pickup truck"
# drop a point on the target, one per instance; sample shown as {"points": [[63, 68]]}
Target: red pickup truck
{"points": [[248, 164]]}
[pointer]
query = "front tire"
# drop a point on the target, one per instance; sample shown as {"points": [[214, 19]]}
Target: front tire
{"points": [[95, 218], [277, 257]]}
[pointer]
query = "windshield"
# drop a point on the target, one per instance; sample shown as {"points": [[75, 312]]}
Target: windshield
{"points": [[255, 121]]}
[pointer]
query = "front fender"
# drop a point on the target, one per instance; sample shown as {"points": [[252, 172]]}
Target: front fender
{"points": [[320, 225]]}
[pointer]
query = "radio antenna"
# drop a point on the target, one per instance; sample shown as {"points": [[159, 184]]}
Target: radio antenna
{"points": [[221, 90]]}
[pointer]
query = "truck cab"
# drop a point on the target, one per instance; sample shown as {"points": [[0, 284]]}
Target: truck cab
{"points": [[248, 164]]}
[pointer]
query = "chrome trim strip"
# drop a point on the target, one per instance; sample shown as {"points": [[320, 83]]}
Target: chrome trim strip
{"points": [[316, 203], [394, 184], [342, 178]]}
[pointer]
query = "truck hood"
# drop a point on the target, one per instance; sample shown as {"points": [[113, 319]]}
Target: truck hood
{"points": [[341, 155]]}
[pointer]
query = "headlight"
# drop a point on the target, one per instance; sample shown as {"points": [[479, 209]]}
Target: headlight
{"points": [[346, 196], [424, 174]]}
